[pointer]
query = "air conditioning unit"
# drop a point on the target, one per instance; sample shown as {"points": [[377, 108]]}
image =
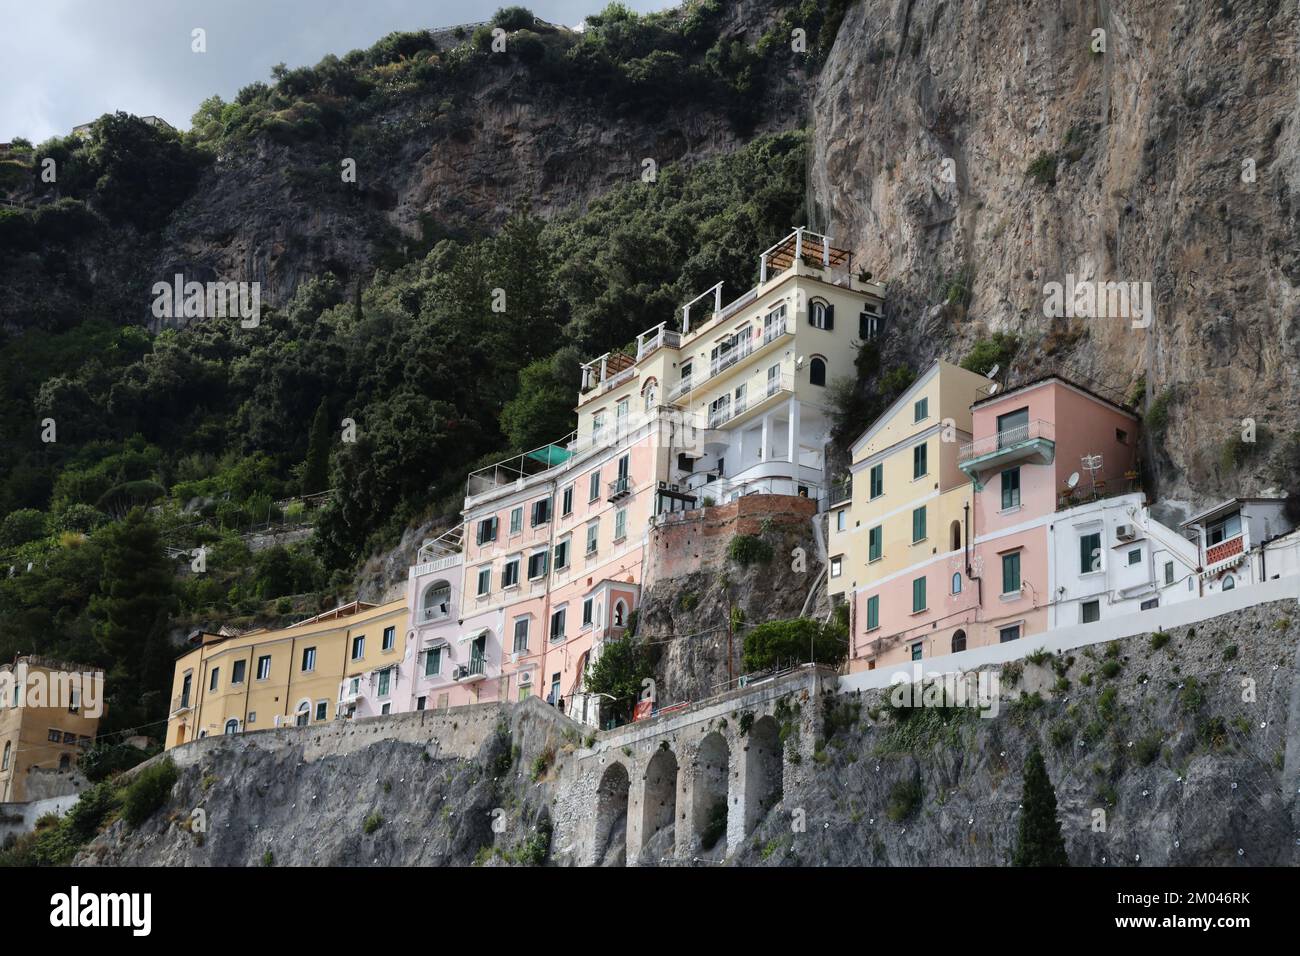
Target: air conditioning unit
{"points": [[1125, 532], [663, 485], [459, 672], [525, 678]]}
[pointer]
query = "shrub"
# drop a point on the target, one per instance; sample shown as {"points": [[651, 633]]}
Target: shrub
{"points": [[1158, 640], [148, 791], [1042, 169], [747, 549], [988, 352], [905, 799], [372, 823], [781, 643], [1039, 841]]}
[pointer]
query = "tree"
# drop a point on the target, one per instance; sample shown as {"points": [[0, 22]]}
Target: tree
{"points": [[316, 469], [131, 612], [619, 672], [1039, 842], [782, 643]]}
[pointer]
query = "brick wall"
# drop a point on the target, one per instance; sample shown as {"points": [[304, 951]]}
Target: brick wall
{"points": [[692, 540]]}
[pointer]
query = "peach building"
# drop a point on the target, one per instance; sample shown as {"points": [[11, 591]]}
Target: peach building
{"points": [[49, 714]]}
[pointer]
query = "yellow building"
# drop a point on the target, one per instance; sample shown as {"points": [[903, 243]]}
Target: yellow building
{"points": [[49, 713], [274, 678], [907, 510]]}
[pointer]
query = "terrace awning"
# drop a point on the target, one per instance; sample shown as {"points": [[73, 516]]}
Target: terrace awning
{"points": [[550, 455]]}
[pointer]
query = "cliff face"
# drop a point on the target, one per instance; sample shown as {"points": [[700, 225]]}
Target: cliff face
{"points": [[1124, 165]]}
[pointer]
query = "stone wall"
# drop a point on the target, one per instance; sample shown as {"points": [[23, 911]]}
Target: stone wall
{"points": [[691, 541]]}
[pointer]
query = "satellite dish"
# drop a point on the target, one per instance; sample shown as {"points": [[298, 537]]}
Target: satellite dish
{"points": [[993, 372], [1072, 480], [798, 363], [993, 389]]}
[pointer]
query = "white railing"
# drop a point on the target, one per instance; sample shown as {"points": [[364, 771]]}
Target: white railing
{"points": [[1007, 438], [659, 336], [774, 330], [731, 356], [680, 389]]}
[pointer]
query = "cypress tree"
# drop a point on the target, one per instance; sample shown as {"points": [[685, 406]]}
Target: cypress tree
{"points": [[1039, 842], [316, 468]]}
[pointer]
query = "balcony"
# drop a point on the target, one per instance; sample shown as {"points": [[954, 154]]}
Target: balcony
{"points": [[180, 704], [475, 670], [737, 408], [1034, 442], [680, 389], [619, 488], [1225, 552], [654, 339]]}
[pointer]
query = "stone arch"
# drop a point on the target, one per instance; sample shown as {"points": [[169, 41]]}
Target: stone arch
{"points": [[954, 535], [611, 815], [709, 803], [764, 770], [659, 804], [958, 641]]}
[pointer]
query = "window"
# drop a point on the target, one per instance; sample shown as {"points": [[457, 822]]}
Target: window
{"points": [[1220, 531], [553, 697], [1229, 583], [484, 581], [620, 614], [322, 709], [1011, 633], [487, 530], [1011, 573], [598, 426], [1090, 553], [918, 595], [773, 380], [566, 502], [510, 573], [821, 315], [956, 582], [557, 624], [537, 565], [541, 512], [620, 524], [651, 396], [386, 709], [593, 492], [433, 662], [1011, 489], [1135, 556], [1149, 604], [620, 414], [877, 480], [920, 467], [354, 686], [516, 520], [521, 636], [593, 533], [817, 371], [868, 326], [237, 672], [918, 524], [875, 545], [212, 680], [842, 519], [385, 678], [309, 658], [252, 719], [1169, 572], [686, 373], [420, 702], [916, 651], [562, 555], [232, 726], [437, 602], [8, 747], [587, 606], [264, 667], [958, 641], [836, 566], [873, 612], [358, 647], [389, 639], [921, 410], [1089, 611], [1013, 427], [954, 532], [54, 736], [1121, 436]]}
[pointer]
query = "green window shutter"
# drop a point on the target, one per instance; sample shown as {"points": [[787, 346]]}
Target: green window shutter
{"points": [[918, 594], [873, 612]]}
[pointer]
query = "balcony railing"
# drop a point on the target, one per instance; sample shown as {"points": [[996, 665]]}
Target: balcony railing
{"points": [[724, 360], [180, 703], [619, 488], [656, 338], [680, 389], [774, 330], [1007, 438], [1224, 550]]}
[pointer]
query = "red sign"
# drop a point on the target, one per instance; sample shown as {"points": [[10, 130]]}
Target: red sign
{"points": [[643, 710]]}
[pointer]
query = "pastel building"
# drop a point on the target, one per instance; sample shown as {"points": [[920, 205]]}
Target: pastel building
{"points": [[45, 725], [976, 525], [1233, 532], [298, 675], [730, 401]]}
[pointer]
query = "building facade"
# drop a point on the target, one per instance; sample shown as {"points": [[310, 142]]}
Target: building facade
{"points": [[296, 675], [49, 715]]}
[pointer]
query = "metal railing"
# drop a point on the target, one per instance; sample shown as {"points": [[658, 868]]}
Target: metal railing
{"points": [[619, 487], [1007, 438]]}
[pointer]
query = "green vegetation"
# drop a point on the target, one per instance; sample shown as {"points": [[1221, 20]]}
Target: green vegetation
{"points": [[1158, 640], [149, 790], [1039, 841], [619, 673], [1042, 169], [905, 799], [747, 549], [996, 350], [372, 822], [783, 643]]}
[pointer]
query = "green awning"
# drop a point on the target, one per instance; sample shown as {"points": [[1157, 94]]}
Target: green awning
{"points": [[549, 455]]}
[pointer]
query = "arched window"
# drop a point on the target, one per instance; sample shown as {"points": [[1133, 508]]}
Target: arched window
{"points": [[232, 726], [5, 764], [65, 762], [954, 531], [303, 714], [817, 371], [958, 641], [956, 582], [819, 314], [1229, 583], [437, 601], [620, 614], [651, 393]]}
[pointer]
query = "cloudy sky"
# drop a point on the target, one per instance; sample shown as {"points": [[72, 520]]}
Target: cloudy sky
{"points": [[65, 62]]}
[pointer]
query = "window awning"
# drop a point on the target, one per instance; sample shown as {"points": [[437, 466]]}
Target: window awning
{"points": [[473, 635]]}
